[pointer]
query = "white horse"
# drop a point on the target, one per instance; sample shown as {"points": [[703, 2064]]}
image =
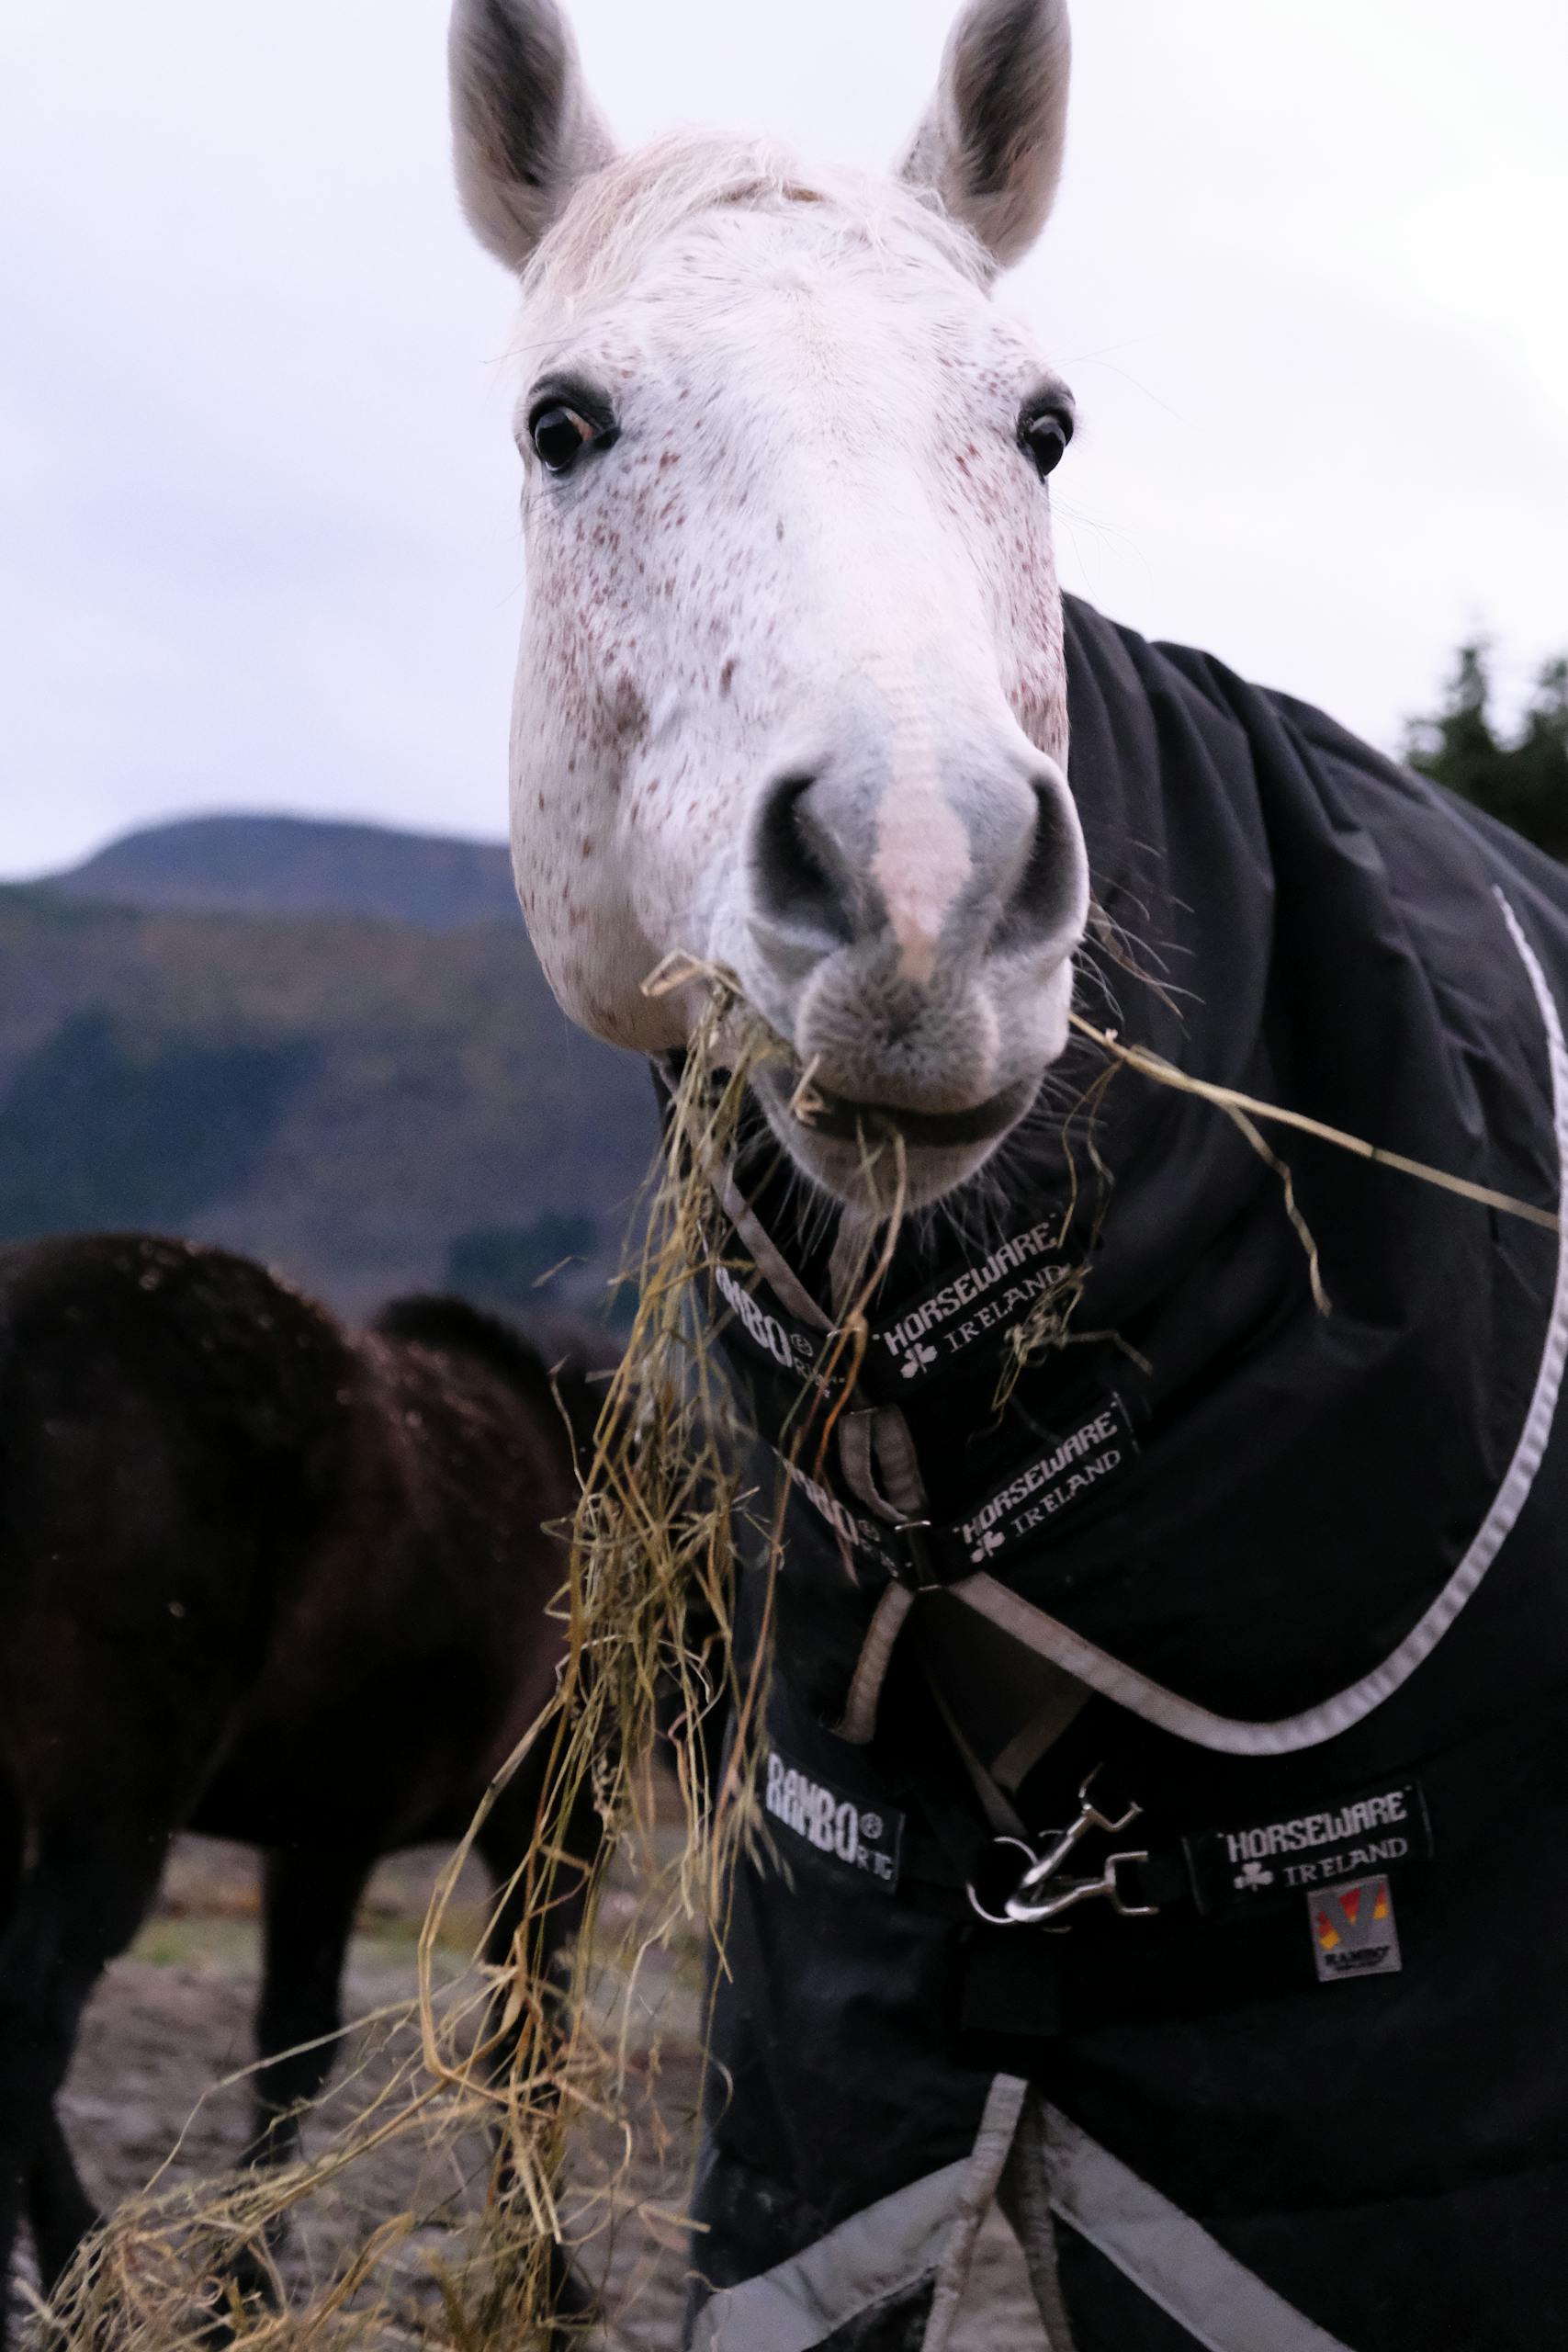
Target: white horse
{"points": [[791, 695], [793, 700]]}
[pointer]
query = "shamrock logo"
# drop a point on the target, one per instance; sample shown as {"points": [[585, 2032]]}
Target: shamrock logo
{"points": [[1250, 1880], [916, 1361], [989, 1542]]}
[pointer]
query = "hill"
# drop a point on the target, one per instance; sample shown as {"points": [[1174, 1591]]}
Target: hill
{"points": [[370, 1104], [299, 866]]}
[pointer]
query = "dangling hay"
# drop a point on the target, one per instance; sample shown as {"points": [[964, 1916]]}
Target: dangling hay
{"points": [[1245, 1109], [487, 2058]]}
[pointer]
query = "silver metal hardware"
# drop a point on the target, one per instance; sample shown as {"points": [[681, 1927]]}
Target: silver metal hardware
{"points": [[1035, 1902]]}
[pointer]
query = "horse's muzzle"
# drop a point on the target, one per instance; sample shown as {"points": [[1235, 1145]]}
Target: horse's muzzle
{"points": [[846, 1121]]}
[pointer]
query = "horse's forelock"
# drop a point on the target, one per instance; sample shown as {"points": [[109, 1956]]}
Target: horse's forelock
{"points": [[619, 214]]}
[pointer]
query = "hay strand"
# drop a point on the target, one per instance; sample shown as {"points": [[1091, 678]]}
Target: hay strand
{"points": [[1226, 1098]]}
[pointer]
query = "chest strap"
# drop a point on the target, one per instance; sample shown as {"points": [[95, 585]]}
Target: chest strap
{"points": [[880, 1468]]}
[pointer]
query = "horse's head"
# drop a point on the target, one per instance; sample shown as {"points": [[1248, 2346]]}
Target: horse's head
{"points": [[791, 695]]}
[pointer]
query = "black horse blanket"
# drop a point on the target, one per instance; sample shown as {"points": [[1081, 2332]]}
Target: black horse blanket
{"points": [[1167, 1770]]}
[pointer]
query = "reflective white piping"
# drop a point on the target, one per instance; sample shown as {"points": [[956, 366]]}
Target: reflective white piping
{"points": [[1169, 2256], [1227, 1736]]}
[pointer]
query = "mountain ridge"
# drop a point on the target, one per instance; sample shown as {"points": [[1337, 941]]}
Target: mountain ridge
{"points": [[253, 863], [367, 1100]]}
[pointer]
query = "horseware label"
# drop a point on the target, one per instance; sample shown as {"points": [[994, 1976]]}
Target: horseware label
{"points": [[976, 1304], [1310, 1853], [1353, 1932], [1074, 1465], [867, 1839], [1031, 1502], [928, 1336]]}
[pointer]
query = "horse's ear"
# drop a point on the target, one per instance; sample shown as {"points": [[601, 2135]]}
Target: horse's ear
{"points": [[525, 131], [991, 144]]}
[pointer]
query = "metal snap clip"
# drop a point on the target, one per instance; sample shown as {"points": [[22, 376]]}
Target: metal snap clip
{"points": [[1035, 1901], [998, 1918]]}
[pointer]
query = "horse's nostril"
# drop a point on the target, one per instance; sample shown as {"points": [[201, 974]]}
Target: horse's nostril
{"points": [[1043, 895], [794, 882]]}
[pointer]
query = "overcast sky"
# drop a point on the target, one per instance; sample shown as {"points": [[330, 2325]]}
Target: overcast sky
{"points": [[257, 537]]}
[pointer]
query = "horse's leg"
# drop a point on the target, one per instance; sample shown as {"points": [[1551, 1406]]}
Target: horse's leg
{"points": [[541, 1937], [308, 1900], [12, 1836], [77, 1901], [311, 1894], [59, 2208]]}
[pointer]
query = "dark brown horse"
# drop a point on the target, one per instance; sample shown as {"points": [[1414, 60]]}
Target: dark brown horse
{"points": [[265, 1578]]}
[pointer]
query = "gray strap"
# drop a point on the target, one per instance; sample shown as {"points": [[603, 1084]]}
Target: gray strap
{"points": [[1167, 2254], [859, 1723], [882, 1433], [1010, 1703], [855, 1461], [1024, 2195], [920, 2234], [780, 1275], [876, 1455], [1000, 1818], [987, 2160], [1062, 1701], [878, 2254], [897, 1461]]}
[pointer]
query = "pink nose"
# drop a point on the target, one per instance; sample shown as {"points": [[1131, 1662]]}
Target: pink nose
{"points": [[821, 882]]}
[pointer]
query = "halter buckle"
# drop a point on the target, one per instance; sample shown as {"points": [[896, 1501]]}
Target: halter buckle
{"points": [[921, 1576]]}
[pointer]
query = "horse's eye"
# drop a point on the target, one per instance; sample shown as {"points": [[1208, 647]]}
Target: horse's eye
{"points": [[559, 436], [1043, 433]]}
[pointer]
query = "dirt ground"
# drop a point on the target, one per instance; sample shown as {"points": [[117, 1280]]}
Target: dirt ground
{"points": [[157, 2090]]}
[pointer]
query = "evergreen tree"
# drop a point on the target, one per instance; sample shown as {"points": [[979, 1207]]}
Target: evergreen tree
{"points": [[1521, 778]]}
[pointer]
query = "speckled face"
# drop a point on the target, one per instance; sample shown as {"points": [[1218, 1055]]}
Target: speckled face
{"points": [[791, 693]]}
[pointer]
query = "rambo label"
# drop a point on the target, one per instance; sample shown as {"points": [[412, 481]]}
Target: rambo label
{"points": [[865, 1534], [783, 1343], [1266, 1861], [862, 1838]]}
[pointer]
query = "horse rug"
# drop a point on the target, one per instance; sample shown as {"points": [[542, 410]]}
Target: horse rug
{"points": [[1164, 1775]]}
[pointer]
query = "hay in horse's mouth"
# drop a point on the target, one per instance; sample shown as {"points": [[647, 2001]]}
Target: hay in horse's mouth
{"points": [[840, 1118], [846, 1121]]}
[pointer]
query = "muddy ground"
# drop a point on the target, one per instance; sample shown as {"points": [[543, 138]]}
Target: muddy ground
{"points": [[156, 2092]]}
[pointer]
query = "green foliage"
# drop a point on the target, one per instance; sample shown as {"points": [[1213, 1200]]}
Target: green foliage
{"points": [[1520, 778]]}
